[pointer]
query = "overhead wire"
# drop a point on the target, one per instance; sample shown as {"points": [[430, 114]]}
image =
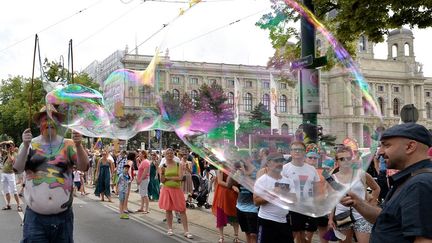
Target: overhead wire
{"points": [[216, 29], [107, 25], [160, 29], [52, 25]]}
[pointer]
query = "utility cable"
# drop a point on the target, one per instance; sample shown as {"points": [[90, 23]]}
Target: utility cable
{"points": [[107, 25], [216, 29], [50, 26]]}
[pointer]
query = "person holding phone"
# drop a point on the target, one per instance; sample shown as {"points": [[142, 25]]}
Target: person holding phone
{"points": [[272, 219]]}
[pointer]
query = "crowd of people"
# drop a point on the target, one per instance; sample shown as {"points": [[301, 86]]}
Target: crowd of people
{"points": [[385, 205]]}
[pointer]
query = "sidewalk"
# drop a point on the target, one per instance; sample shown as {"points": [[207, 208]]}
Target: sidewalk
{"points": [[202, 223]]}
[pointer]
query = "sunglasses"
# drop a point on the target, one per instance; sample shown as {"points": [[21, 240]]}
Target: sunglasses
{"points": [[278, 161], [312, 157], [298, 150], [344, 159]]}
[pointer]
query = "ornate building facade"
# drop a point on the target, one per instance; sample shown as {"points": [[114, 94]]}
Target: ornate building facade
{"points": [[394, 82]]}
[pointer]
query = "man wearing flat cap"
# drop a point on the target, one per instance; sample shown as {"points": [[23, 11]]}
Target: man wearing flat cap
{"points": [[48, 161], [405, 215]]}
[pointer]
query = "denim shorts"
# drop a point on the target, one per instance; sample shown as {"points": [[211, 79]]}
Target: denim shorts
{"points": [[40, 228]]}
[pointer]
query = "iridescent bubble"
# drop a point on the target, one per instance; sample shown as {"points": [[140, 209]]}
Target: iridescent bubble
{"points": [[230, 115]]}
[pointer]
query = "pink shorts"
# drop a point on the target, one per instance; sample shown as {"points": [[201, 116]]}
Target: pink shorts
{"points": [[172, 199]]}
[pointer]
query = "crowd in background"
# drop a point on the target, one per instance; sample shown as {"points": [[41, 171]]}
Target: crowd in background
{"points": [[175, 177]]}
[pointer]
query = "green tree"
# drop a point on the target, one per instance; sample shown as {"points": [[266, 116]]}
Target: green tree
{"points": [[172, 107], [346, 19], [212, 98], [260, 114], [56, 72], [14, 105]]}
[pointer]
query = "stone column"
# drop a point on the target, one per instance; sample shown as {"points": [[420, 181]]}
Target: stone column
{"points": [[422, 103], [186, 85], [167, 81], [389, 101], [349, 129], [359, 100], [412, 96], [360, 135], [348, 98]]}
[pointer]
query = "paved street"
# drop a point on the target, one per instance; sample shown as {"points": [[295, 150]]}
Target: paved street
{"points": [[97, 221]]}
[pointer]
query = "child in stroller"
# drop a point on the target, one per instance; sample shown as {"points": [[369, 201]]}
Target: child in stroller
{"points": [[200, 192]]}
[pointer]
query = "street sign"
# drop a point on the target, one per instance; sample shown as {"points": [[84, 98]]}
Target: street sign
{"points": [[158, 134], [302, 62], [409, 113], [142, 146]]}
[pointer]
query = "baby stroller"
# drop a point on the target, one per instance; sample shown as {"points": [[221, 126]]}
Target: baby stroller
{"points": [[201, 191]]}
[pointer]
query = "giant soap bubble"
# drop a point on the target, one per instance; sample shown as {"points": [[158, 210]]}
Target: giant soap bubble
{"points": [[229, 108]]}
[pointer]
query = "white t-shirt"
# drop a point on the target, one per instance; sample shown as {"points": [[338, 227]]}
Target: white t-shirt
{"points": [[77, 176], [357, 188], [271, 211], [303, 177]]}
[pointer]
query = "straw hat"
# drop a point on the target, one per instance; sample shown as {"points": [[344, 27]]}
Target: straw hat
{"points": [[43, 111]]}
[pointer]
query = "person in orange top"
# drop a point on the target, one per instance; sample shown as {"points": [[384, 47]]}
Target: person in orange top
{"points": [[224, 206]]}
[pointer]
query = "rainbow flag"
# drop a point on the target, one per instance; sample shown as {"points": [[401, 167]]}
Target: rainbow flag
{"points": [[98, 144], [196, 166]]}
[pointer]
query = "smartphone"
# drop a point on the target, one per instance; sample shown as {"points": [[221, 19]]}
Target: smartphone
{"points": [[283, 186]]}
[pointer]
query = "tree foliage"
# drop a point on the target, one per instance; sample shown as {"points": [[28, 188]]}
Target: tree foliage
{"points": [[260, 114], [14, 105], [15, 98], [56, 72], [212, 98], [346, 19]]}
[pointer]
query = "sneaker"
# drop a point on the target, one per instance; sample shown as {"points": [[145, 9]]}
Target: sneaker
{"points": [[124, 216]]}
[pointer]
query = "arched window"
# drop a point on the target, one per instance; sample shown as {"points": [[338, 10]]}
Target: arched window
{"points": [[284, 129], [230, 99], [247, 102], [406, 49], [394, 50], [362, 43], [381, 105], [176, 94], [266, 101], [131, 92], [396, 105], [194, 96], [428, 110], [283, 103], [318, 46]]}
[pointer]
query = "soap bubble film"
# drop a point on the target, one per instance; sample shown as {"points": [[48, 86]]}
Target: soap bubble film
{"points": [[240, 118]]}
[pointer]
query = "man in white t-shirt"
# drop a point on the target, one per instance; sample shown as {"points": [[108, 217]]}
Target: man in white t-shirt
{"points": [[305, 178], [272, 219]]}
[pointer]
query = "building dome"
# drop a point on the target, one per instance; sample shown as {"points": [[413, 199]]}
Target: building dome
{"points": [[400, 31]]}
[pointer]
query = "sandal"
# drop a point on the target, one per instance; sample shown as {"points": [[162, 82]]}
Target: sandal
{"points": [[170, 232], [7, 207], [140, 211], [236, 239], [19, 209], [221, 239], [188, 235]]}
